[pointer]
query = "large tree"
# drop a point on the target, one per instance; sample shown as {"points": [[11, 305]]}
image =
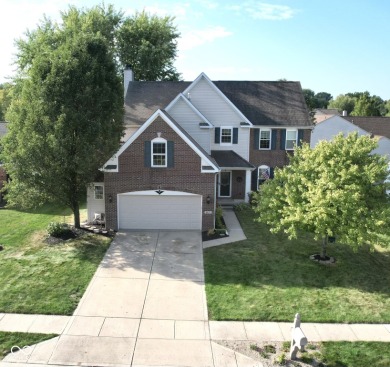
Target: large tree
{"points": [[148, 43], [66, 117], [335, 189], [343, 103]]}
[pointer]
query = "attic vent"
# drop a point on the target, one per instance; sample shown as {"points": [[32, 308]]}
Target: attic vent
{"points": [[110, 166]]}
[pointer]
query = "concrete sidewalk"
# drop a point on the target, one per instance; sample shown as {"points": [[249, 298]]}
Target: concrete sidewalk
{"points": [[234, 229], [146, 306]]}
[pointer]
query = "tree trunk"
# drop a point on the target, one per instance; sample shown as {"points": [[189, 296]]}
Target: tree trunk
{"points": [[324, 243], [76, 214]]}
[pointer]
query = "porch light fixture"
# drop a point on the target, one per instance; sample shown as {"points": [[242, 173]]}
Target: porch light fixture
{"points": [[110, 198], [208, 199]]}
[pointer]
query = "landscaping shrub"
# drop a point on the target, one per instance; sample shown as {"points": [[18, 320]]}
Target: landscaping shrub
{"points": [[57, 229]]}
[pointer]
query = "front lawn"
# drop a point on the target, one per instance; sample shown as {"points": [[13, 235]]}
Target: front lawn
{"points": [[270, 278], [42, 278]]}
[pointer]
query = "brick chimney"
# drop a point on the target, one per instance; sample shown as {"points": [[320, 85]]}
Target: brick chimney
{"points": [[128, 76]]}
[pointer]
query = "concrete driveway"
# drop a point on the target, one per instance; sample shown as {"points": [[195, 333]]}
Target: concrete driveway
{"points": [[145, 306]]}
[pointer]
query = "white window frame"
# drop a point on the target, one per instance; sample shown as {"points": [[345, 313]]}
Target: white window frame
{"points": [[231, 135], [294, 141], [260, 171], [159, 141], [94, 192], [270, 139]]}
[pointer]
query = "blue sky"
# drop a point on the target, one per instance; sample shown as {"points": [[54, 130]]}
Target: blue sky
{"points": [[335, 46]]}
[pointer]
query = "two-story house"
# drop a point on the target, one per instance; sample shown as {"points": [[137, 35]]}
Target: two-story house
{"points": [[192, 145]]}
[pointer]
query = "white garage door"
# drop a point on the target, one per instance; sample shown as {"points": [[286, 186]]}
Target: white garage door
{"points": [[169, 210]]}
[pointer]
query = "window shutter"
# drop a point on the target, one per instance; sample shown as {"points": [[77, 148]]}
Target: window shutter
{"points": [[271, 172], [273, 139], [300, 137], [217, 135], [235, 135], [254, 183], [283, 139], [147, 154], [256, 141], [171, 153]]}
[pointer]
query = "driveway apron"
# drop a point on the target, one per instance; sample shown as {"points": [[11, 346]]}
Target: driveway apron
{"points": [[145, 306]]}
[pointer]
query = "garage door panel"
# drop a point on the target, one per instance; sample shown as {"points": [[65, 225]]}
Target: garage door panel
{"points": [[159, 212]]}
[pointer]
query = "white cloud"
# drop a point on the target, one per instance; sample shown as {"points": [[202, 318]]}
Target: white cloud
{"points": [[211, 5], [258, 10], [197, 38]]}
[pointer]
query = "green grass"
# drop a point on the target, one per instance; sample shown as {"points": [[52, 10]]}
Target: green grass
{"points": [[8, 340], [355, 354], [270, 278], [40, 278]]}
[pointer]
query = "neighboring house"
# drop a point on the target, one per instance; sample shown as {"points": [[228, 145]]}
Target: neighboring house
{"points": [[3, 174], [377, 127], [192, 145], [321, 114]]}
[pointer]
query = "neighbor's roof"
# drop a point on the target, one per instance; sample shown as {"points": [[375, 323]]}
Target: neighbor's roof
{"points": [[262, 103], [3, 128], [230, 159], [373, 124]]}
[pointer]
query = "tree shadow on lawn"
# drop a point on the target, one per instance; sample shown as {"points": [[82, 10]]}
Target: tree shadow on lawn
{"points": [[267, 259]]}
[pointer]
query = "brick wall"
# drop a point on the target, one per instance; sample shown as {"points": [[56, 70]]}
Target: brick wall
{"points": [[185, 175], [272, 158]]}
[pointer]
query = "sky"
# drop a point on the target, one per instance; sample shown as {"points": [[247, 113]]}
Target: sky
{"points": [[334, 46]]}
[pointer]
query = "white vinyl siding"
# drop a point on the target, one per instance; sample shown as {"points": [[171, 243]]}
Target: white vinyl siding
{"points": [[220, 113], [152, 211], [189, 121]]}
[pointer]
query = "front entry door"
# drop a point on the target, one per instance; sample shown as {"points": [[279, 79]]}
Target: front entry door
{"points": [[225, 184]]}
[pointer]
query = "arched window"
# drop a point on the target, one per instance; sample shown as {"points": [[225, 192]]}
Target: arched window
{"points": [[263, 173], [159, 152]]}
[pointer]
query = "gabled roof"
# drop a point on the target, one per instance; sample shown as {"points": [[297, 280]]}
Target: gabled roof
{"points": [[268, 103], [230, 159], [261, 103], [207, 161], [183, 98], [373, 124], [145, 98]]}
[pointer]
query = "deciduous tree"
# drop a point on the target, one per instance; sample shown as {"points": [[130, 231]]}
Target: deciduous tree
{"points": [[335, 189], [66, 116]]}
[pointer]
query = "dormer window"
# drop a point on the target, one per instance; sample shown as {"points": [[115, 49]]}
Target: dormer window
{"points": [[226, 135], [159, 152]]}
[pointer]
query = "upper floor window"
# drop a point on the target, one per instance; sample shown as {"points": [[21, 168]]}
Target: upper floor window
{"points": [[98, 192], [291, 139], [226, 135], [159, 152], [265, 139]]}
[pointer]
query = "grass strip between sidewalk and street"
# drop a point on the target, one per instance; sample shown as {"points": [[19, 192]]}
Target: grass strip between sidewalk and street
{"points": [[270, 278], [20, 340]]}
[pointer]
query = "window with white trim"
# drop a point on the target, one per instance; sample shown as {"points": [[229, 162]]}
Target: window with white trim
{"points": [[226, 135], [291, 139], [98, 192], [263, 174], [159, 152], [265, 139]]}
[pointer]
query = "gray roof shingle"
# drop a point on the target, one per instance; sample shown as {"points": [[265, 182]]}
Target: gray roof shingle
{"points": [[230, 159], [373, 124], [262, 103]]}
